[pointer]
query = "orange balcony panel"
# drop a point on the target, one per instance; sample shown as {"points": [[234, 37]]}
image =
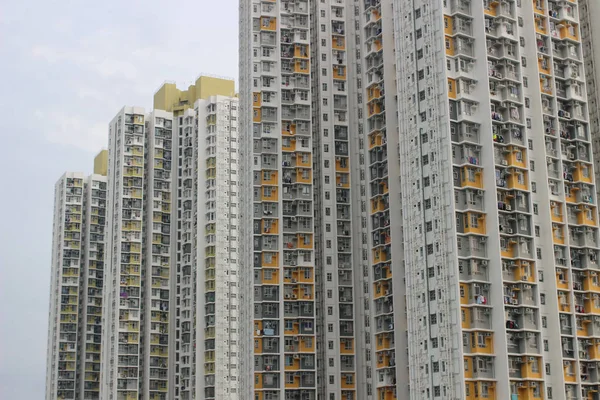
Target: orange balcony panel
{"points": [[257, 345], [538, 7], [339, 73], [295, 365], [375, 139], [341, 164], [338, 43], [464, 293], [491, 9], [591, 282], [582, 173], [377, 44], [384, 393], [540, 25], [303, 160], [448, 25], [347, 347], [373, 93], [305, 241], [544, 68], [475, 223], [346, 384], [302, 67], [288, 129], [270, 277], [570, 31], [301, 51], [471, 177], [384, 186], [468, 367], [517, 157], [295, 329], [465, 317], [293, 385], [341, 182], [517, 180], [382, 342], [307, 345], [582, 330], [256, 99], [269, 194], [256, 117], [380, 289], [591, 306], [376, 15], [303, 175], [374, 108], [289, 145], [570, 376], [594, 350], [487, 348], [509, 251], [558, 236], [556, 212], [449, 43], [527, 370], [270, 227], [587, 215], [380, 255], [270, 260], [571, 195], [451, 88], [268, 23], [561, 283], [269, 177], [563, 304], [383, 361]]}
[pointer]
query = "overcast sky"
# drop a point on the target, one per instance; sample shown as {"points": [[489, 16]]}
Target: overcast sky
{"points": [[67, 67]]}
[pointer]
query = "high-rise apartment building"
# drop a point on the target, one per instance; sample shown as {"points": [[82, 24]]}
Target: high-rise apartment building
{"points": [[73, 359], [275, 87], [171, 317], [208, 299], [471, 236], [590, 36]]}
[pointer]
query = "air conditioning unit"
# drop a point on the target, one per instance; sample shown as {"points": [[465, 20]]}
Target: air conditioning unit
{"points": [[504, 162], [343, 299], [531, 359], [484, 262], [296, 339], [508, 208], [480, 193], [509, 230]]}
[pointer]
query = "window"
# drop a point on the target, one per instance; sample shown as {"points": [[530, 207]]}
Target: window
{"points": [[530, 144], [544, 322]]}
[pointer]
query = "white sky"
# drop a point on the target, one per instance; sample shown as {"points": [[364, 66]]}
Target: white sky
{"points": [[68, 67]]}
